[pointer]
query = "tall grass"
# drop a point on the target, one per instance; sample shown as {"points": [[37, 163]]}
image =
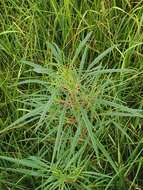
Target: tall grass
{"points": [[71, 109]]}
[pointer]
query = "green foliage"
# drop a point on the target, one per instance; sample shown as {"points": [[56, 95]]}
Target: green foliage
{"points": [[71, 95]]}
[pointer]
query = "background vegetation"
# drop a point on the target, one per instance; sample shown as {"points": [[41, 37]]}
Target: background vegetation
{"points": [[71, 94]]}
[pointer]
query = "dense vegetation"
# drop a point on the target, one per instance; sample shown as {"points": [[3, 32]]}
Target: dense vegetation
{"points": [[71, 94]]}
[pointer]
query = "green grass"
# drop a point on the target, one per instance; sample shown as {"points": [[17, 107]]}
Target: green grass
{"points": [[71, 95]]}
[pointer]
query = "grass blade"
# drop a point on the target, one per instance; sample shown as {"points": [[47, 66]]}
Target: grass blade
{"points": [[95, 141]]}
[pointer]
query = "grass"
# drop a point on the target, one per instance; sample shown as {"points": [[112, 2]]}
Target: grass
{"points": [[71, 95]]}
